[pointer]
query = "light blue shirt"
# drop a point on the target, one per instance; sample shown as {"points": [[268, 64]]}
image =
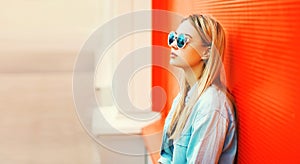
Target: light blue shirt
{"points": [[209, 135]]}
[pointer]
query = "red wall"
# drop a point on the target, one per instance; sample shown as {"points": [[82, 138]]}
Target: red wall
{"points": [[263, 66]]}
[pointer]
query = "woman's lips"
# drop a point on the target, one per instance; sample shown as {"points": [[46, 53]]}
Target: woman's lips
{"points": [[173, 55]]}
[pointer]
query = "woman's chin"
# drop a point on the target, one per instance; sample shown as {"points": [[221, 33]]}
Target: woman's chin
{"points": [[175, 64], [172, 62]]}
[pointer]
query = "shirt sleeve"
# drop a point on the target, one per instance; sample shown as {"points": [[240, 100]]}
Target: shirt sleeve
{"points": [[165, 157], [207, 138], [166, 153]]}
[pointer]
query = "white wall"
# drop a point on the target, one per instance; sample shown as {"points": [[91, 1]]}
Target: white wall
{"points": [[44, 35], [39, 40]]}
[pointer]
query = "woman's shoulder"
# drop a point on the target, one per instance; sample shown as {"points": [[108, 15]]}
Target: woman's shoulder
{"points": [[213, 99], [211, 96]]}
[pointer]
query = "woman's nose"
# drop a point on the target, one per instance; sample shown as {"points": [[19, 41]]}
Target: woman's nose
{"points": [[174, 45]]}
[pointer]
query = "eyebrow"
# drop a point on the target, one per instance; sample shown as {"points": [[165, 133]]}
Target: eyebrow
{"points": [[189, 35], [185, 34]]}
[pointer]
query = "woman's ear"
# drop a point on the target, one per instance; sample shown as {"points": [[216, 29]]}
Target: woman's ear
{"points": [[206, 54]]}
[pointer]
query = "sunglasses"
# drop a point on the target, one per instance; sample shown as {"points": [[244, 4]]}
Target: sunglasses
{"points": [[182, 39]]}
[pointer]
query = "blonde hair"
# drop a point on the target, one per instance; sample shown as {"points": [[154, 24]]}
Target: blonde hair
{"points": [[213, 37]]}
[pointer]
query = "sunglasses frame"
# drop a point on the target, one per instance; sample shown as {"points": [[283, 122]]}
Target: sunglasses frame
{"points": [[186, 39]]}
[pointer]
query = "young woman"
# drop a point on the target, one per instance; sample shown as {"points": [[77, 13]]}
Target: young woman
{"points": [[201, 125]]}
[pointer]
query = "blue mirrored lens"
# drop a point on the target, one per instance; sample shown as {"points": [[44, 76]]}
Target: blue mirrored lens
{"points": [[181, 40], [171, 38]]}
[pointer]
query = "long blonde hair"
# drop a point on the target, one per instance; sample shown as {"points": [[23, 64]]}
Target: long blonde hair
{"points": [[213, 37]]}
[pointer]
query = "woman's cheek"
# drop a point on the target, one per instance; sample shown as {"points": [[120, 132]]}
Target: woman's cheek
{"points": [[193, 58]]}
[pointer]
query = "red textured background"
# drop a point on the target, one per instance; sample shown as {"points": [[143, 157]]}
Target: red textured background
{"points": [[263, 66]]}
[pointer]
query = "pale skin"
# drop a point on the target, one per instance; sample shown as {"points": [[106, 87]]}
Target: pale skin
{"points": [[190, 58]]}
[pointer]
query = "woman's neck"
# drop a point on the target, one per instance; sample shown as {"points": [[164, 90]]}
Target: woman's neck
{"points": [[192, 74]]}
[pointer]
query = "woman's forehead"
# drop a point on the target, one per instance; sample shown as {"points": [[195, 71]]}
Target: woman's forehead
{"points": [[187, 28]]}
